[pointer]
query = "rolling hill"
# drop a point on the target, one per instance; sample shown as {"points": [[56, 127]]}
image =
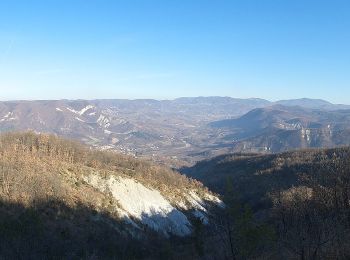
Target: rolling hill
{"points": [[180, 132], [303, 195], [280, 128], [255, 176], [59, 198]]}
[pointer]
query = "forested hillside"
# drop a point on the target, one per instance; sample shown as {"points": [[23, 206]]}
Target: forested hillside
{"points": [[60, 199], [303, 196]]}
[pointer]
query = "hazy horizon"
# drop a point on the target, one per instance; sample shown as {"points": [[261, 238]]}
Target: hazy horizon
{"points": [[171, 99]]}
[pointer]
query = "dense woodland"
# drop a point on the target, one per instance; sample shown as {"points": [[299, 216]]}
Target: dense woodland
{"points": [[293, 205], [301, 198], [48, 212]]}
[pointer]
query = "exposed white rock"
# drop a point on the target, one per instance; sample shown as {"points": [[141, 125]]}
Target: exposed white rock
{"points": [[103, 121], [146, 205], [306, 134], [107, 132], [195, 201], [8, 117], [8, 114], [72, 110], [214, 199], [82, 111], [79, 119]]}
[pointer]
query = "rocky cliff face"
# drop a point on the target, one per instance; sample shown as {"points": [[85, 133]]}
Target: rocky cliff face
{"points": [[140, 206]]}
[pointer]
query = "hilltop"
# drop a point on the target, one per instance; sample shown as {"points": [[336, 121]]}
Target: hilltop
{"points": [[282, 128], [185, 130], [60, 198]]}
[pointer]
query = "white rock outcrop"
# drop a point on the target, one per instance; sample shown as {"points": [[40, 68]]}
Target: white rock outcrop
{"points": [[149, 207]]}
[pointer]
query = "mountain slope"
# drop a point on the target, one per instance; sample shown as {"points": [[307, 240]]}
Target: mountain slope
{"points": [[255, 176], [303, 195], [173, 132], [280, 128], [61, 181], [312, 104], [165, 130]]}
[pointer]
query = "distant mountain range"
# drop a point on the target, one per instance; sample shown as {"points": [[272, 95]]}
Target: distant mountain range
{"points": [[312, 103], [281, 128], [184, 130]]}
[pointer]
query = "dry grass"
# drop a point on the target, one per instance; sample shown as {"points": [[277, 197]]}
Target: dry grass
{"points": [[38, 166]]}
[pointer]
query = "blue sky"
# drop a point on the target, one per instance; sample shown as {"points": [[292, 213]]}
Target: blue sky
{"points": [[273, 49]]}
